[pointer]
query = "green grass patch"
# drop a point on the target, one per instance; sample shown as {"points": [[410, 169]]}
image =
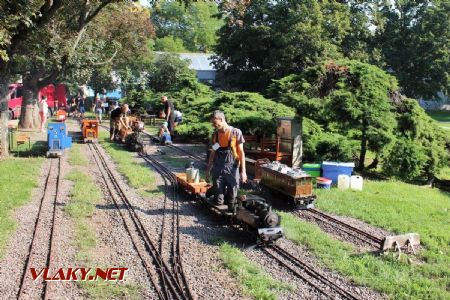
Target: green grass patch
{"points": [[76, 158], [138, 175], [18, 177], [175, 162], [386, 274], [253, 280], [444, 173], [101, 289], [439, 115], [33, 149], [84, 196], [401, 208]]}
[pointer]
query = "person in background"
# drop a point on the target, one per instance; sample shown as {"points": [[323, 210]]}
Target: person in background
{"points": [[178, 118], [43, 111], [82, 106], [116, 111], [164, 134], [124, 123], [226, 158], [98, 109], [169, 113]]}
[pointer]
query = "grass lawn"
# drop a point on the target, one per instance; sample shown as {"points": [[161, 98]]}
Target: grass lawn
{"points": [[439, 115], [252, 279], [442, 117], [18, 177], [398, 207], [139, 176]]}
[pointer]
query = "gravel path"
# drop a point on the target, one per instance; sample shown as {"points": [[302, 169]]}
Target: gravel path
{"points": [[115, 247], [13, 263], [301, 289]]}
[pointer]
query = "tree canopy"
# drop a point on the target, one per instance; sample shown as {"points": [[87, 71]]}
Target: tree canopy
{"points": [[192, 27]]}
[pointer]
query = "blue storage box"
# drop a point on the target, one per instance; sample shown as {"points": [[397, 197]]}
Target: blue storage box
{"points": [[332, 170]]}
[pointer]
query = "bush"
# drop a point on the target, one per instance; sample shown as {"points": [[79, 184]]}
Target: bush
{"points": [[421, 144], [321, 146], [251, 112], [406, 159]]}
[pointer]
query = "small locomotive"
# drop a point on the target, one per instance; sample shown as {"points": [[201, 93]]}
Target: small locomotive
{"points": [[89, 129], [57, 139], [251, 212]]}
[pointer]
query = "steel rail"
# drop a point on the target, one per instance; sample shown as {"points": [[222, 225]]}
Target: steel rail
{"points": [[176, 252], [368, 238], [313, 273], [166, 277], [37, 225]]}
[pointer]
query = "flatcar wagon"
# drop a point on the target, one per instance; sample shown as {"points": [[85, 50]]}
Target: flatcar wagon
{"points": [[251, 212], [297, 186]]}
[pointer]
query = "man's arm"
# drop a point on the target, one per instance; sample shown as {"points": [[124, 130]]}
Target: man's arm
{"points": [[241, 154]]}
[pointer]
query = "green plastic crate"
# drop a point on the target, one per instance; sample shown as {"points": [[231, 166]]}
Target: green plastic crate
{"points": [[312, 169]]}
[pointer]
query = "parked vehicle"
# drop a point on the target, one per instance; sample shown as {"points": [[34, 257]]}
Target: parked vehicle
{"points": [[56, 98]]}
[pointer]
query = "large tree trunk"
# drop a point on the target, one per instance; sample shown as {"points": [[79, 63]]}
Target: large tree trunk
{"points": [[29, 115], [362, 154], [4, 81]]}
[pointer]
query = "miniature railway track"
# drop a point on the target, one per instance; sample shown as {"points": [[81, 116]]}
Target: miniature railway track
{"points": [[308, 274], [196, 157], [346, 228], [176, 260], [166, 283], [42, 234]]}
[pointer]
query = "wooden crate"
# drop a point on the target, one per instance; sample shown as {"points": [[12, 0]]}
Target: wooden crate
{"points": [[193, 188]]}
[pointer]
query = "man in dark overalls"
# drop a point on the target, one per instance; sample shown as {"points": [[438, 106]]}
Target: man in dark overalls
{"points": [[226, 160]]}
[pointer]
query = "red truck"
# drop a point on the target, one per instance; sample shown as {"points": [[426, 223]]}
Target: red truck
{"points": [[56, 98]]}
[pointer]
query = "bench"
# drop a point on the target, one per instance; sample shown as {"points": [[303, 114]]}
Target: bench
{"points": [[22, 139]]}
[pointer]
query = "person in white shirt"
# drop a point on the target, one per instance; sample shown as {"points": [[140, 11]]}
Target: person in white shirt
{"points": [[43, 111]]}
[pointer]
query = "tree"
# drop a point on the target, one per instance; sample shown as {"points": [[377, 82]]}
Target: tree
{"points": [[346, 97], [419, 149], [167, 73], [66, 45], [414, 39], [195, 24], [264, 40], [18, 21], [169, 44]]}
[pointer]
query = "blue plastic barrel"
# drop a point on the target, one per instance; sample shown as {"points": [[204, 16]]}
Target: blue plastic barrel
{"points": [[332, 170]]}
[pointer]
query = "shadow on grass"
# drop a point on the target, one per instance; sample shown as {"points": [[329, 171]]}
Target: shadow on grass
{"points": [[38, 148]]}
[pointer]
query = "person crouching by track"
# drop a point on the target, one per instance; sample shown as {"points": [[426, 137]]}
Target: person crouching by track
{"points": [[124, 123], [116, 111], [164, 134], [226, 158]]}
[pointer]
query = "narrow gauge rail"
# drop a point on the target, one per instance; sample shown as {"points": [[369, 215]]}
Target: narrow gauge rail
{"points": [[35, 256], [196, 157], [293, 260], [168, 287], [169, 178], [313, 277], [316, 214], [346, 228]]}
